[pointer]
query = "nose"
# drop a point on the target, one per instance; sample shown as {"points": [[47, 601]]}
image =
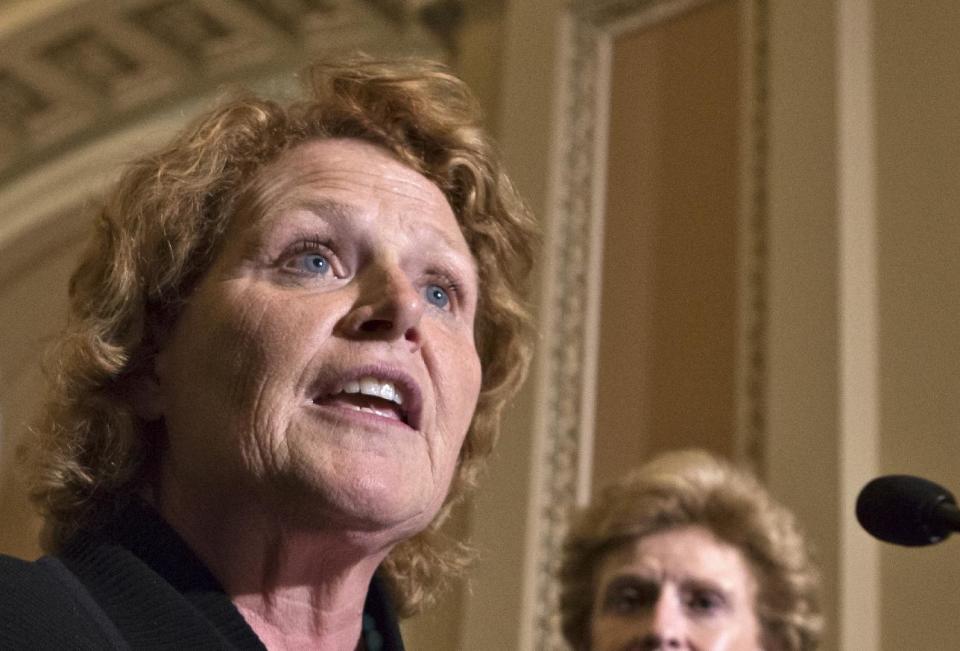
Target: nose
{"points": [[665, 628], [388, 307]]}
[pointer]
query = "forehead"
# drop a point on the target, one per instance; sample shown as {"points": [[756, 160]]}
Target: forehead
{"points": [[679, 554], [369, 186], [349, 168]]}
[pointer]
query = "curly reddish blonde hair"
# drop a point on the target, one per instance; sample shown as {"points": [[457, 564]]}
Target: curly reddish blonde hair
{"points": [[693, 487], [160, 227]]}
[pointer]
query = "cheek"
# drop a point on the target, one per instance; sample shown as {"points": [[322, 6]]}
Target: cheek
{"points": [[454, 366], [238, 350], [272, 344], [457, 379], [473, 377], [222, 359], [609, 633], [730, 640], [463, 406], [742, 634], [470, 375]]}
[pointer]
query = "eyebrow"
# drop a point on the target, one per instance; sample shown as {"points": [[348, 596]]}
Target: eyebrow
{"points": [[683, 581], [649, 585]]}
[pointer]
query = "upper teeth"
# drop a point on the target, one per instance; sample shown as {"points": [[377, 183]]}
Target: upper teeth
{"points": [[371, 386]]}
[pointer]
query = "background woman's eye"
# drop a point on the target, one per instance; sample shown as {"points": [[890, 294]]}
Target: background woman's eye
{"points": [[626, 601], [315, 263], [437, 295], [705, 601], [630, 598]]}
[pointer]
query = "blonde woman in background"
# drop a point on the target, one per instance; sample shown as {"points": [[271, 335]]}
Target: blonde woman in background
{"points": [[688, 553]]}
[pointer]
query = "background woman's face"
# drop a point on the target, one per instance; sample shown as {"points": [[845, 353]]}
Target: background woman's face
{"points": [[326, 361], [680, 588]]}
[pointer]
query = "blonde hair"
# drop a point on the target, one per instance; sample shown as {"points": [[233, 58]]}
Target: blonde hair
{"points": [[159, 229], [695, 488]]}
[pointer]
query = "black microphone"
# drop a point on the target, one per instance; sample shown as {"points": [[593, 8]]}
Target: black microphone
{"points": [[906, 510]]}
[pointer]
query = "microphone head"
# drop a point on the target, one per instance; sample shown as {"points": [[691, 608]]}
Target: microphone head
{"points": [[902, 510]]}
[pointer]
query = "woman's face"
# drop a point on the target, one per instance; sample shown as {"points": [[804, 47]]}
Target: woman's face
{"points": [[326, 362], [681, 589]]}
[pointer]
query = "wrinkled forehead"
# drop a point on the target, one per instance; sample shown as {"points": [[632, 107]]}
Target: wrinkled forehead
{"points": [[356, 174], [349, 166]]}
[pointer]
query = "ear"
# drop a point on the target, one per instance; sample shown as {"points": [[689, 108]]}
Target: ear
{"points": [[144, 388], [146, 394]]}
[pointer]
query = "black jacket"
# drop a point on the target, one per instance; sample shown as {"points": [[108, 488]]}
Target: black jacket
{"points": [[136, 585]]}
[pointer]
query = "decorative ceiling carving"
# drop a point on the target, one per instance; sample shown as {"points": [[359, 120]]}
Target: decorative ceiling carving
{"points": [[80, 71]]}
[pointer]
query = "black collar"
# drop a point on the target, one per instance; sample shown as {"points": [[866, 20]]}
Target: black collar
{"points": [[159, 594]]}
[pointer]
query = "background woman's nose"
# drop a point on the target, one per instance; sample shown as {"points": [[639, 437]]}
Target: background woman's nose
{"points": [[389, 306], [666, 624]]}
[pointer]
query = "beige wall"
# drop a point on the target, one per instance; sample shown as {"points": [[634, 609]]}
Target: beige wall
{"points": [[802, 464], [668, 323], [866, 108], [918, 199]]}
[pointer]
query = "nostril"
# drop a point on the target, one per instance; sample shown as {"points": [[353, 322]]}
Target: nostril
{"points": [[376, 325], [389, 312]]}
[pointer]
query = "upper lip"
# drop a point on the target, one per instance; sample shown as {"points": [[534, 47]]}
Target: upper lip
{"points": [[411, 398]]}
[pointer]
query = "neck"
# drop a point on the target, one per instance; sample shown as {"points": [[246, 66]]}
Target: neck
{"points": [[307, 617], [297, 587], [287, 610]]}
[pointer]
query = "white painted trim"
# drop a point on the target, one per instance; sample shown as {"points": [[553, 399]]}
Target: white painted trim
{"points": [[858, 311], [31, 200], [18, 15], [654, 13], [549, 341], [742, 426], [752, 224], [594, 284]]}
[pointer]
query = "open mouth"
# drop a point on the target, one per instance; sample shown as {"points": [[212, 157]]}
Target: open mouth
{"points": [[377, 396]]}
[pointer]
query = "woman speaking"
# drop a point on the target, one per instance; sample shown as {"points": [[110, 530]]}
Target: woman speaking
{"points": [[289, 344]]}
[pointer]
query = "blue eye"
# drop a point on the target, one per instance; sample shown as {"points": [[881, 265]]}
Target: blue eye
{"points": [[437, 295], [315, 263]]}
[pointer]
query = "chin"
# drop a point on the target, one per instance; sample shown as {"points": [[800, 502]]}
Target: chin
{"points": [[389, 511], [376, 501]]}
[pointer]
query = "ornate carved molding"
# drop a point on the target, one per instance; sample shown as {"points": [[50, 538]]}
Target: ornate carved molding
{"points": [[564, 432], [68, 76], [756, 223]]}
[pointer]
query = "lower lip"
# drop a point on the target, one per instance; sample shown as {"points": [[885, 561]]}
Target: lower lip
{"points": [[369, 418]]}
